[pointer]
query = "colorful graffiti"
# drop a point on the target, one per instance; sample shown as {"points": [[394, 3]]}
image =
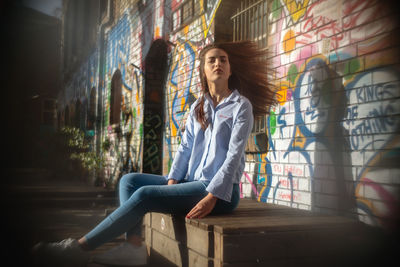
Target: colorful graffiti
{"points": [[179, 94], [333, 139], [333, 142], [372, 124], [125, 151], [183, 84]]}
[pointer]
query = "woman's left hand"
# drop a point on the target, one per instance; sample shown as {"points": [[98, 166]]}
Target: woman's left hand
{"points": [[203, 207]]}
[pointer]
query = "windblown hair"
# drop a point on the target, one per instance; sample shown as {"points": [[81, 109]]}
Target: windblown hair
{"points": [[250, 76]]}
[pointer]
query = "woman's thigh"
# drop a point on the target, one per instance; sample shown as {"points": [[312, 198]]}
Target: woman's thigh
{"points": [[176, 198], [130, 182]]}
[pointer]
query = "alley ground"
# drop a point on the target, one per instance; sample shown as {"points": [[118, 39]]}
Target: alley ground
{"points": [[39, 207]]}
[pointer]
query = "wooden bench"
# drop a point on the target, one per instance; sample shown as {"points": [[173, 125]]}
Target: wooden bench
{"points": [[256, 234]]}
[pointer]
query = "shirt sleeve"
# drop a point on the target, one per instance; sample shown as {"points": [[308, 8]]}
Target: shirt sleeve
{"points": [[222, 182], [180, 163]]}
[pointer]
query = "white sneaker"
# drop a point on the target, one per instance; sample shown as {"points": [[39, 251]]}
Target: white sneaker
{"points": [[64, 253], [123, 255]]}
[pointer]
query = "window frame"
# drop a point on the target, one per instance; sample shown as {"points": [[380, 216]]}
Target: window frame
{"points": [[194, 14]]}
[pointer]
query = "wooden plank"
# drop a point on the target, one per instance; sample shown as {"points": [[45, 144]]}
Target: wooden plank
{"points": [[200, 241], [218, 247], [163, 223], [170, 249], [300, 262], [176, 252], [147, 235], [147, 219], [281, 223], [268, 246], [253, 216], [255, 233], [197, 260], [196, 238]]}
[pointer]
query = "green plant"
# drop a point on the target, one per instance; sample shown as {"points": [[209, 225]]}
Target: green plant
{"points": [[106, 145], [79, 148]]}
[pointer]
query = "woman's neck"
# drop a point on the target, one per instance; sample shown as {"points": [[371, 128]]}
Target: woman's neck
{"points": [[218, 93]]}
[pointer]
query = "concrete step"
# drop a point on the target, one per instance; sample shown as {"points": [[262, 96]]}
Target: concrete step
{"points": [[36, 188], [68, 202]]}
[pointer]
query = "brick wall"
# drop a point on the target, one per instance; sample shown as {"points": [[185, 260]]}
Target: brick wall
{"points": [[334, 137], [137, 25]]}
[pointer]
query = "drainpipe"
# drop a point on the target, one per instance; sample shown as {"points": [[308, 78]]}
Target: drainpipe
{"points": [[106, 23]]}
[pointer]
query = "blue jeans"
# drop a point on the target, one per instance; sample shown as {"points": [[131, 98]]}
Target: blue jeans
{"points": [[142, 193]]}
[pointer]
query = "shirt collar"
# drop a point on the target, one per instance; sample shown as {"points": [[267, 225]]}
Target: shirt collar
{"points": [[234, 96]]}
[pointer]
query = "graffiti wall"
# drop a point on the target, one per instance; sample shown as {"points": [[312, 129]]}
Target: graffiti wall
{"points": [[183, 84], [334, 137], [128, 44]]}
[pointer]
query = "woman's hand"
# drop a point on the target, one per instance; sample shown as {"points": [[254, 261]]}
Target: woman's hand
{"points": [[172, 181], [203, 207]]}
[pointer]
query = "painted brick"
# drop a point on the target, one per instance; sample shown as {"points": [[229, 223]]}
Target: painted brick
{"points": [[329, 187], [394, 174], [356, 159], [286, 132], [246, 190], [282, 144], [385, 57], [303, 160], [321, 171], [326, 201], [303, 198], [361, 54], [316, 186], [303, 207], [370, 192], [293, 158], [304, 184]]}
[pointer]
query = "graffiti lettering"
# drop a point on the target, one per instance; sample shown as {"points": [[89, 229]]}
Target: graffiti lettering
{"points": [[153, 121], [151, 152], [378, 122], [352, 113], [295, 170], [152, 164], [289, 183], [375, 92]]}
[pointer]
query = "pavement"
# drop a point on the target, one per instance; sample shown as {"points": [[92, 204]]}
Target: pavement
{"points": [[39, 207]]}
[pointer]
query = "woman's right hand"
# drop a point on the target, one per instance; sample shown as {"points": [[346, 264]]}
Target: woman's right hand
{"points": [[172, 181]]}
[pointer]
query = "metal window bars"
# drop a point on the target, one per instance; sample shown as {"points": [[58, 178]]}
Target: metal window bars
{"points": [[251, 23]]}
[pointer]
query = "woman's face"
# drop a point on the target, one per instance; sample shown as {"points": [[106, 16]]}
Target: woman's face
{"points": [[216, 65]]}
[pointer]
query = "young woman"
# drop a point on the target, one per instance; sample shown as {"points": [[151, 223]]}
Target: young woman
{"points": [[206, 171]]}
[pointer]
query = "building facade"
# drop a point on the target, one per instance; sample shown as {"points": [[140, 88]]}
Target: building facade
{"points": [[330, 145]]}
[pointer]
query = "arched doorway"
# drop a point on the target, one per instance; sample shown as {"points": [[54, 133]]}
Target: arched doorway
{"points": [[153, 120], [116, 97]]}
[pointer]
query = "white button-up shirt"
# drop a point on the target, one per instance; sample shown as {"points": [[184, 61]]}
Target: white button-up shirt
{"points": [[216, 155]]}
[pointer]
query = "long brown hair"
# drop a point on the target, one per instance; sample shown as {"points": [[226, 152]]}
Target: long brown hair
{"points": [[250, 76]]}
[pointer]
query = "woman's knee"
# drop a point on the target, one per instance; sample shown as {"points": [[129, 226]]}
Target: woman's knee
{"points": [[128, 180]]}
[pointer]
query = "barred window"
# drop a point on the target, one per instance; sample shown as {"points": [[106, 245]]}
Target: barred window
{"points": [[183, 13], [251, 22]]}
